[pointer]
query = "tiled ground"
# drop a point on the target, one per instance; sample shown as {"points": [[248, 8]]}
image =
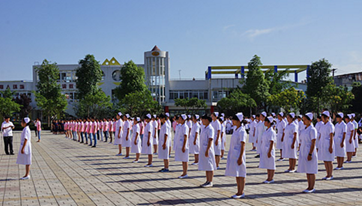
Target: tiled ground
{"points": [[65, 172]]}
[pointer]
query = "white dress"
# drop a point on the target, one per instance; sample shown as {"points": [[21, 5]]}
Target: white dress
{"points": [[195, 149], [176, 136], [145, 148], [340, 129], [207, 163], [323, 150], [217, 127], [356, 143], [265, 161], [318, 128], [136, 148], [289, 131], [155, 134], [350, 146], [117, 140], [179, 155], [126, 126], [306, 137], [251, 133], [223, 137], [25, 159], [233, 169], [280, 128], [164, 153], [260, 129]]}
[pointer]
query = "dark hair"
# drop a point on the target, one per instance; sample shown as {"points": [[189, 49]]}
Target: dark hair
{"points": [[162, 116], [307, 117], [147, 117], [6, 117], [207, 118], [272, 123], [338, 116], [325, 116], [291, 116], [236, 118], [319, 117], [194, 116]]}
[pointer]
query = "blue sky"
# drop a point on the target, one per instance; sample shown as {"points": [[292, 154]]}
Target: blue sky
{"points": [[196, 33]]}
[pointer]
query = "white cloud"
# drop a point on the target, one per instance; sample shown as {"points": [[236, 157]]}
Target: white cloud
{"points": [[252, 33]]}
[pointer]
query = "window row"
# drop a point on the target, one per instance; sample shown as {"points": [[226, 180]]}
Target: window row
{"points": [[182, 94], [15, 86]]}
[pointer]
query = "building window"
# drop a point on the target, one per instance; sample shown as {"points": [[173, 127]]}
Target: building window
{"points": [[70, 86], [1, 86], [64, 86], [116, 75], [200, 94], [21, 86], [15, 86], [103, 75]]}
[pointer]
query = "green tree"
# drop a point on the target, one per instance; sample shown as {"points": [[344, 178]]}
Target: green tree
{"points": [[88, 74], [132, 80], [255, 83], [319, 79], [7, 105], [139, 103], [288, 99], [96, 104], [237, 101], [276, 82], [356, 102], [24, 101], [194, 104], [337, 98], [48, 95]]}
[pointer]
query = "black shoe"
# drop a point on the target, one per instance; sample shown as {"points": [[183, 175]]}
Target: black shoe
{"points": [[93, 146], [7, 154], [11, 153], [81, 142], [257, 156]]}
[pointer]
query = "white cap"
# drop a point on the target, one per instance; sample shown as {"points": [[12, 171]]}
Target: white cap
{"points": [[340, 114], [189, 116], [127, 115], [222, 118], [183, 116], [292, 114], [309, 115], [138, 119], [149, 116], [349, 116], [119, 113], [222, 114], [326, 113], [240, 116], [253, 116], [167, 114], [216, 114], [353, 115], [273, 114], [281, 114], [26, 120], [154, 116], [197, 116], [300, 116], [271, 119], [264, 114]]}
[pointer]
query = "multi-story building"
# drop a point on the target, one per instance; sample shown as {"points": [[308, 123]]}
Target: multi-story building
{"points": [[157, 78]]}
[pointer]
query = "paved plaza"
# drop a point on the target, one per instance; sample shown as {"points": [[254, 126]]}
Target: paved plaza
{"points": [[65, 172]]}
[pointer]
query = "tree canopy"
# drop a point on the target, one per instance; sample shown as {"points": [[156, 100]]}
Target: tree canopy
{"points": [[139, 103], [7, 105], [96, 104], [237, 101], [191, 104], [288, 99]]}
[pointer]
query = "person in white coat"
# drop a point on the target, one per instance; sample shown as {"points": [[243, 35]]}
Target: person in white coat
{"points": [[126, 137], [350, 148], [260, 129], [318, 126], [326, 150], [308, 158], [267, 151], [25, 153], [118, 133], [195, 139], [154, 123], [355, 135], [147, 140], [165, 142], [289, 140], [252, 126], [136, 146], [182, 145], [340, 140], [280, 131], [236, 161], [207, 156], [222, 137], [217, 136], [169, 124]]}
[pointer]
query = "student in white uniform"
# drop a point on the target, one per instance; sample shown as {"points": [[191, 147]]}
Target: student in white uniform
{"points": [[118, 133], [165, 142], [155, 133], [355, 135], [326, 150], [207, 156], [260, 129], [280, 129], [126, 138], [236, 161], [147, 141], [350, 148], [182, 145], [223, 138], [252, 126], [24, 155], [169, 124], [195, 139], [267, 151], [189, 123], [340, 140], [217, 136], [289, 140], [318, 126], [308, 159], [136, 146]]}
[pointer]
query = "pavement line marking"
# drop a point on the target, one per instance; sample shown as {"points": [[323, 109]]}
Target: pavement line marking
{"points": [[80, 197]]}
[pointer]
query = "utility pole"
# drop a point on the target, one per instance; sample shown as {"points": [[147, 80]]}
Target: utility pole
{"points": [[334, 69]]}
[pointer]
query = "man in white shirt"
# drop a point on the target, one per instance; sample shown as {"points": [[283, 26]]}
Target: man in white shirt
{"points": [[7, 129]]}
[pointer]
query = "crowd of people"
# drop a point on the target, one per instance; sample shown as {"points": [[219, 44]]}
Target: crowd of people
{"points": [[334, 136]]}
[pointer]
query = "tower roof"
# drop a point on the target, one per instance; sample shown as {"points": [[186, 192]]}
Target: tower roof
{"points": [[155, 48]]}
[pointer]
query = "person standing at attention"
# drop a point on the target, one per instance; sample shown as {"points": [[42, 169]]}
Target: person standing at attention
{"points": [[7, 129], [24, 155], [326, 151]]}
